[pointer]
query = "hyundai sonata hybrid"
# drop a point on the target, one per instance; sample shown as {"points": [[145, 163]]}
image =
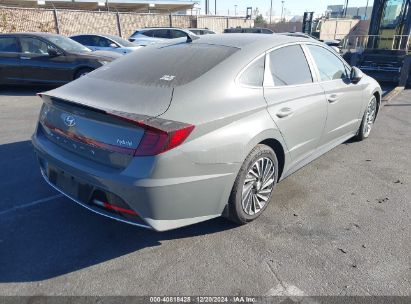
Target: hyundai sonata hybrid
{"points": [[160, 139]]}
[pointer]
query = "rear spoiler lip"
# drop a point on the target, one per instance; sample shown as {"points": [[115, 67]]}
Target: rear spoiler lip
{"points": [[133, 116]]}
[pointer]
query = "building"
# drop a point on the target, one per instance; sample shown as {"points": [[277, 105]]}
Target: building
{"points": [[338, 11], [143, 6], [335, 11]]}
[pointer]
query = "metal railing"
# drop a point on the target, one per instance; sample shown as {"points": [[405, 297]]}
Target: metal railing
{"points": [[362, 42], [401, 42]]}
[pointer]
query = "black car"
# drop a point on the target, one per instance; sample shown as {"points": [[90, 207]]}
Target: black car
{"points": [[252, 30], [43, 58]]}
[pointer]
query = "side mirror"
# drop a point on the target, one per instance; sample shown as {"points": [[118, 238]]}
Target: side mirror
{"points": [[113, 45], [53, 52], [356, 75]]}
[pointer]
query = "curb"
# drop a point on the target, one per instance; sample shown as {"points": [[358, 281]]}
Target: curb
{"points": [[391, 94]]}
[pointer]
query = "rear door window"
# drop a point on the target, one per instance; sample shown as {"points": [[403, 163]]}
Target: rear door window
{"points": [[89, 40], [9, 45], [178, 34], [289, 66], [84, 40], [101, 41], [163, 33], [31, 45], [149, 33]]}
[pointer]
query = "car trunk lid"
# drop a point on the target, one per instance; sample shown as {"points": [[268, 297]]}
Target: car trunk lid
{"points": [[85, 122], [114, 95]]}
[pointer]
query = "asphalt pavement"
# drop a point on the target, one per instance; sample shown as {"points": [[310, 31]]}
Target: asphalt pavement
{"points": [[339, 226]]}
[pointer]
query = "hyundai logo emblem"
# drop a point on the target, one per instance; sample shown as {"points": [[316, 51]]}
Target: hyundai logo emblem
{"points": [[70, 121]]}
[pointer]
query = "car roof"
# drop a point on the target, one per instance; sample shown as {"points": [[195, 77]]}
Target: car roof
{"points": [[200, 29], [160, 28], [297, 34], [38, 34], [100, 35], [249, 41]]}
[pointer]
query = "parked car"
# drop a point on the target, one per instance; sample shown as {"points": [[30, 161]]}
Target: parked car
{"points": [[334, 44], [146, 36], [251, 30], [200, 32], [155, 144], [105, 43], [33, 58]]}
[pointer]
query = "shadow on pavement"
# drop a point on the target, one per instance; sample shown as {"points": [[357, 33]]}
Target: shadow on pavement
{"points": [[57, 237], [398, 105]]}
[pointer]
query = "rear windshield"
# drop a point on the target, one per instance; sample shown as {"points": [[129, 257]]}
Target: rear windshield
{"points": [[165, 65]]}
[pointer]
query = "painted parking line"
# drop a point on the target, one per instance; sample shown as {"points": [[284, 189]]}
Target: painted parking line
{"points": [[290, 292], [40, 201]]}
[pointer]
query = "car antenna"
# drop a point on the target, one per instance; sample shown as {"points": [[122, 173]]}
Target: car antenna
{"points": [[191, 37]]}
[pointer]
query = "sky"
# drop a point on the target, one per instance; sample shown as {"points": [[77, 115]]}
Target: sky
{"points": [[293, 7]]}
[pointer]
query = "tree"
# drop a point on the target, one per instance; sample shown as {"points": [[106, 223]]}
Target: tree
{"points": [[259, 19]]}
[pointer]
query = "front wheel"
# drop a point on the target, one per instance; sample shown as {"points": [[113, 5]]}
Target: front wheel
{"points": [[254, 185], [367, 120]]}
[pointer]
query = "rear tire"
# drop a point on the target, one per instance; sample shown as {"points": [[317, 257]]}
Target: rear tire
{"points": [[254, 185], [82, 72], [367, 120]]}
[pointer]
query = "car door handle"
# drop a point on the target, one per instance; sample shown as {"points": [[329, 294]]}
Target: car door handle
{"points": [[284, 112], [25, 58], [333, 98]]}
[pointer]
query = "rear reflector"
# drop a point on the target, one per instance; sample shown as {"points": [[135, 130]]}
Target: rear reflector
{"points": [[114, 207]]}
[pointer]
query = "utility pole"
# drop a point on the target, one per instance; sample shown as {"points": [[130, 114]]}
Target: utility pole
{"points": [[366, 9], [346, 7], [215, 6], [271, 10], [282, 10]]}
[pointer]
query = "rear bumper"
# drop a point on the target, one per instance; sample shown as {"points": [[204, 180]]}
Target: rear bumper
{"points": [[87, 206], [164, 199]]}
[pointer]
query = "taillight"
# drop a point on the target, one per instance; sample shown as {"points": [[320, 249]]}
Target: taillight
{"points": [[160, 135]]}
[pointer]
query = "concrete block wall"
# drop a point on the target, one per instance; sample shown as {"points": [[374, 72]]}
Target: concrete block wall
{"points": [[69, 22], [20, 20], [77, 22]]}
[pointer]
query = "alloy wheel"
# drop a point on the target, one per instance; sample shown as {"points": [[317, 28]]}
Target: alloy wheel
{"points": [[370, 116], [258, 185]]}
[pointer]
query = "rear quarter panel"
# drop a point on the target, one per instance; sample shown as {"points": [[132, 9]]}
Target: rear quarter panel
{"points": [[230, 120]]}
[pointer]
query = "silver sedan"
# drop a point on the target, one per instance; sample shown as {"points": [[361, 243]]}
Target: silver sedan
{"points": [[180, 133]]}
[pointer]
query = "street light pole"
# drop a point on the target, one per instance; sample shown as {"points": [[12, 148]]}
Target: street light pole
{"points": [[271, 10], [235, 10], [282, 10], [366, 9], [215, 6]]}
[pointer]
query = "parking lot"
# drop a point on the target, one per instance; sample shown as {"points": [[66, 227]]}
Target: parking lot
{"points": [[339, 226]]}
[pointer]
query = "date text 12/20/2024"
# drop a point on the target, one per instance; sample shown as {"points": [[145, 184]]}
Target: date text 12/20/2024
{"points": [[202, 299]]}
